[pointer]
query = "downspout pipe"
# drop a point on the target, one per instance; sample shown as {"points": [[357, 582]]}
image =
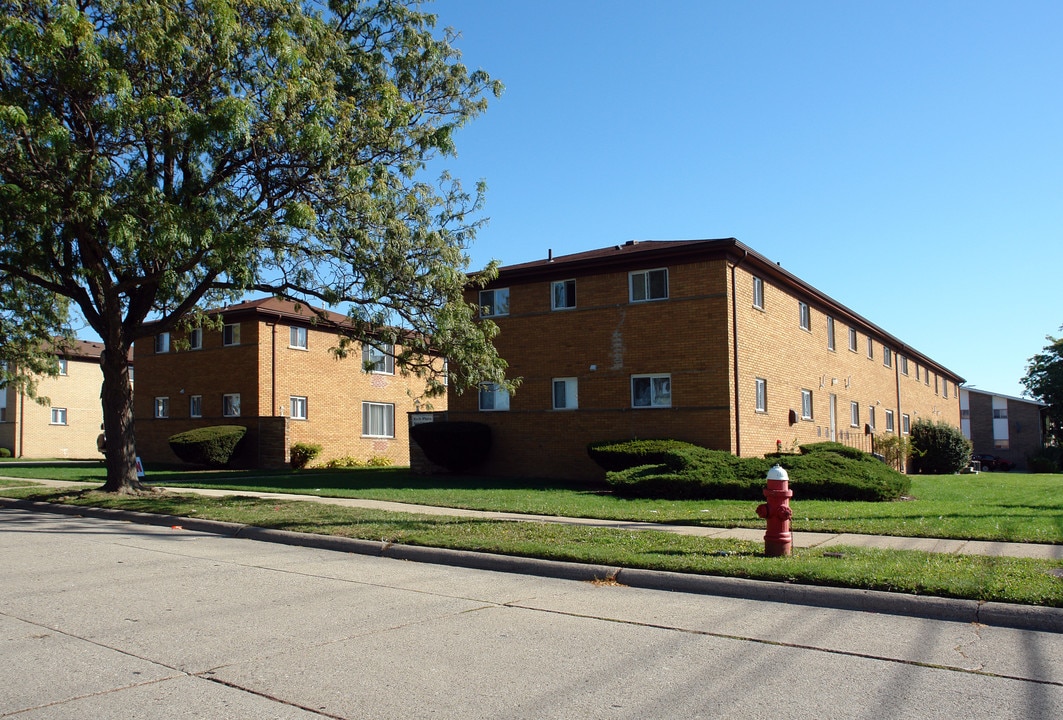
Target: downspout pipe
{"points": [[734, 350]]}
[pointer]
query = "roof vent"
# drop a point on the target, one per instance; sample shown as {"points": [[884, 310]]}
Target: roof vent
{"points": [[629, 243], [549, 255]]}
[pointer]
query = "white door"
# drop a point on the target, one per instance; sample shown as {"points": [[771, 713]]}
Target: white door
{"points": [[833, 416]]}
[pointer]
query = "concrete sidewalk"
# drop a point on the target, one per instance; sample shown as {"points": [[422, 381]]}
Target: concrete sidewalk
{"points": [[800, 539]]}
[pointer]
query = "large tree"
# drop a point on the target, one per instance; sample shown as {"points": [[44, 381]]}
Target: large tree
{"points": [[159, 158], [1044, 382]]}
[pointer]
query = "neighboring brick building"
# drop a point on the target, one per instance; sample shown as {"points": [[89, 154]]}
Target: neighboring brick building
{"points": [[272, 370], [69, 423], [1008, 427], [704, 341]]}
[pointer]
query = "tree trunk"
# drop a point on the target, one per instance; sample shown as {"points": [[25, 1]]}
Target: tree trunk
{"points": [[117, 401]]}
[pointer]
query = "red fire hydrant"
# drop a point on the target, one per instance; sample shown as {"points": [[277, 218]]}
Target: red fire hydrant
{"points": [[778, 540]]}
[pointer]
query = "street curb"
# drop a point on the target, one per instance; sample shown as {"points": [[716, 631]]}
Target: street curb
{"points": [[1021, 617]]}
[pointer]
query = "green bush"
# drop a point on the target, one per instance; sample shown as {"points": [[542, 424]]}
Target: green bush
{"points": [[1046, 461], [938, 448], [214, 446], [683, 471], [303, 453], [347, 461], [378, 461], [457, 446], [895, 449], [622, 454], [4, 452]]}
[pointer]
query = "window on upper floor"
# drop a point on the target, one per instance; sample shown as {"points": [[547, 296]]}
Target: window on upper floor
{"points": [[887, 356], [494, 303], [298, 407], [889, 421], [195, 406], [162, 407], [854, 414], [906, 424], [298, 338], [563, 295], [936, 389], [830, 333], [63, 366], [162, 343], [852, 339], [230, 405], [945, 389], [1000, 413], [379, 360], [566, 395], [902, 363], [58, 416], [761, 390], [870, 348], [871, 416], [805, 316], [758, 293], [806, 404], [646, 285], [230, 334], [650, 391], [493, 398], [195, 339]]}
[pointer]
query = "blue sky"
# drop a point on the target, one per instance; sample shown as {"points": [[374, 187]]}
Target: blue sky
{"points": [[906, 158]]}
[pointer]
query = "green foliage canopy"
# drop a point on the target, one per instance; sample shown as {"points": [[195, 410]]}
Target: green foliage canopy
{"points": [[1044, 382], [159, 158]]}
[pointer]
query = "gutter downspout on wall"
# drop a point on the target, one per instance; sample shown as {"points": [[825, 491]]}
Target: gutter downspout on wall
{"points": [[734, 347]]}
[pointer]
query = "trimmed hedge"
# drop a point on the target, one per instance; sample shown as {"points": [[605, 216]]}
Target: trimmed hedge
{"points": [[301, 454], [213, 446], [457, 446], [681, 471]]}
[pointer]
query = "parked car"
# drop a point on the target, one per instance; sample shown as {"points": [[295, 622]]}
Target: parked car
{"points": [[992, 462]]}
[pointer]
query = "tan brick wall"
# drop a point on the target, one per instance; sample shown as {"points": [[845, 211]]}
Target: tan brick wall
{"points": [[267, 372], [28, 430], [606, 339]]}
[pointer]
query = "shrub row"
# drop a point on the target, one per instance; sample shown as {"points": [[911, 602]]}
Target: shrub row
{"points": [[213, 446], [671, 469], [457, 446]]}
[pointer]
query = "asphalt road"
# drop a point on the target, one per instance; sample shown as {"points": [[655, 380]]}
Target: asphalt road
{"points": [[103, 619]]}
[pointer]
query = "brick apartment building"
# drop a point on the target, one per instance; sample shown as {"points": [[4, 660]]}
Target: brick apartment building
{"points": [[1008, 427], [704, 341], [271, 368], [69, 423]]}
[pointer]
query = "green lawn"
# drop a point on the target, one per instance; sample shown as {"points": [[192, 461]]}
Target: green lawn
{"points": [[1010, 507], [1014, 580]]}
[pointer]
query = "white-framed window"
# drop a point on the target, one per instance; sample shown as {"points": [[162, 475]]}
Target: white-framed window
{"points": [[871, 416], [902, 363], [830, 333], [162, 343], [918, 373], [195, 406], [854, 414], [58, 416], [378, 420], [762, 395], [493, 398], [1000, 413], [63, 366], [906, 424], [805, 316], [494, 302], [806, 404], [889, 421], [299, 407], [887, 356], [162, 407], [936, 384], [298, 337], [230, 405], [852, 339], [379, 360], [926, 377], [566, 393], [563, 295], [758, 293], [651, 391], [945, 389], [870, 348], [647, 285], [230, 334], [195, 339]]}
